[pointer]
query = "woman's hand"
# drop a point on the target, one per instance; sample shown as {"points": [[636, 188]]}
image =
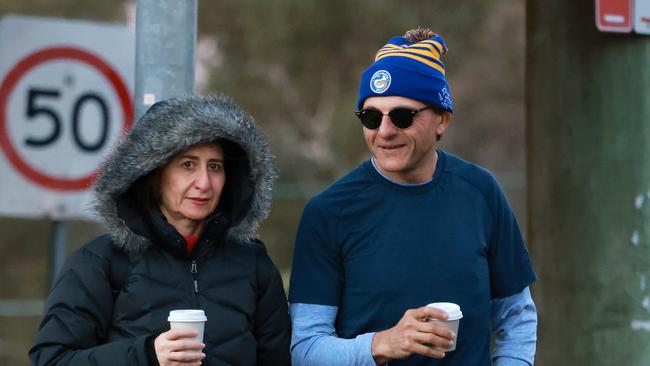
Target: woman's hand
{"points": [[175, 347]]}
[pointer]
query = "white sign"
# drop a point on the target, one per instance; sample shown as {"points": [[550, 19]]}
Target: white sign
{"points": [[642, 16], [65, 98]]}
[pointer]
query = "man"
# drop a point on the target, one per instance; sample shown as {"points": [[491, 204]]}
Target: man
{"points": [[411, 226]]}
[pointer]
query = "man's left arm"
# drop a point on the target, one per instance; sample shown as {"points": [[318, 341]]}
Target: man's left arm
{"points": [[514, 326]]}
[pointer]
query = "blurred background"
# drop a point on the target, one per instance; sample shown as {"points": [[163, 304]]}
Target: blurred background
{"points": [[294, 65]]}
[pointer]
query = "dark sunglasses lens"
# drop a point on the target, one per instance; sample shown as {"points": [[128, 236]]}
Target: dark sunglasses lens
{"points": [[370, 118], [402, 118]]}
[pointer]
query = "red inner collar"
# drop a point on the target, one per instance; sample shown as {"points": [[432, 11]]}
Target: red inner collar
{"points": [[190, 242]]}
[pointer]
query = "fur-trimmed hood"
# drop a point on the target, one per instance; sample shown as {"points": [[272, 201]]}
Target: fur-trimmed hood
{"points": [[168, 128]]}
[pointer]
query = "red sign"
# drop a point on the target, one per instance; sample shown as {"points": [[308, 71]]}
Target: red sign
{"points": [[614, 15], [39, 59]]}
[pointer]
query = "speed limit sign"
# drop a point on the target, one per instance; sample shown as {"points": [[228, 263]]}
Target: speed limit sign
{"points": [[65, 98]]}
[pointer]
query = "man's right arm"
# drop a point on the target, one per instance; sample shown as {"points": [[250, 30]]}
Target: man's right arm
{"points": [[314, 341]]}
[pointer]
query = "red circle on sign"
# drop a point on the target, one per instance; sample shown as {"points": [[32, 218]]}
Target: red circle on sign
{"points": [[9, 83]]}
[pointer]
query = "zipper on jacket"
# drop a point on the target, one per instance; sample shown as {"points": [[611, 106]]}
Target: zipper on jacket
{"points": [[195, 283]]}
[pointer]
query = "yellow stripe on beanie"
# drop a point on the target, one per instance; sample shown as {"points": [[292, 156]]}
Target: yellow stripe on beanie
{"points": [[414, 57]]}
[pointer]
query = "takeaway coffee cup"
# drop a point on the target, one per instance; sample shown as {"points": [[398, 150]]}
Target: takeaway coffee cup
{"points": [[454, 313], [183, 319]]}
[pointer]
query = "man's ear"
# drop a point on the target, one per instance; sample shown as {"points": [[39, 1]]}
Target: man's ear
{"points": [[445, 121]]}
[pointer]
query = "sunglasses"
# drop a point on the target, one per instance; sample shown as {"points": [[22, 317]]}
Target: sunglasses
{"points": [[401, 117]]}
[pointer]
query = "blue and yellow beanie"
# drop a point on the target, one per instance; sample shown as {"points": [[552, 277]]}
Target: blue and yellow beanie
{"points": [[409, 66]]}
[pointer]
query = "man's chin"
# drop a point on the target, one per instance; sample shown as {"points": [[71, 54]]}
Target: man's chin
{"points": [[389, 165]]}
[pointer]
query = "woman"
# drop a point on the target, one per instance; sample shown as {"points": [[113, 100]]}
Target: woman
{"points": [[181, 196]]}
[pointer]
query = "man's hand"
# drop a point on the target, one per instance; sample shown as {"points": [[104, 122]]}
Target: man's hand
{"points": [[175, 347], [413, 334]]}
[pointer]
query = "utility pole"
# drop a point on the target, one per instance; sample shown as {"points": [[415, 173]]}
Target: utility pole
{"points": [[165, 44], [588, 161]]}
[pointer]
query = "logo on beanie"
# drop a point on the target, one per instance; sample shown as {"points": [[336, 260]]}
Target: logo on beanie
{"points": [[445, 98], [380, 81]]}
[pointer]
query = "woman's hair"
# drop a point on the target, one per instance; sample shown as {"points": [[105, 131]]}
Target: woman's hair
{"points": [[237, 191], [144, 194]]}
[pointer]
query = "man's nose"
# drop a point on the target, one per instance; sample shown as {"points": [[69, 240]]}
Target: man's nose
{"points": [[386, 128]]}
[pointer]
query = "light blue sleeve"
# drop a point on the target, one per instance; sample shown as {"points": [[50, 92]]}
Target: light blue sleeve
{"points": [[314, 341], [514, 325]]}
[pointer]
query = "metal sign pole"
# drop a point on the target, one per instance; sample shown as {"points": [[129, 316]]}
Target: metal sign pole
{"points": [[59, 244], [165, 43]]}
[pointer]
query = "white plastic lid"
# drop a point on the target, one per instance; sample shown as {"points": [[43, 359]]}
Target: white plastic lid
{"points": [[451, 309], [187, 315]]}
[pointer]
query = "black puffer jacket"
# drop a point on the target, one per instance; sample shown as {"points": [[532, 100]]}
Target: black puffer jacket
{"points": [[228, 275]]}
